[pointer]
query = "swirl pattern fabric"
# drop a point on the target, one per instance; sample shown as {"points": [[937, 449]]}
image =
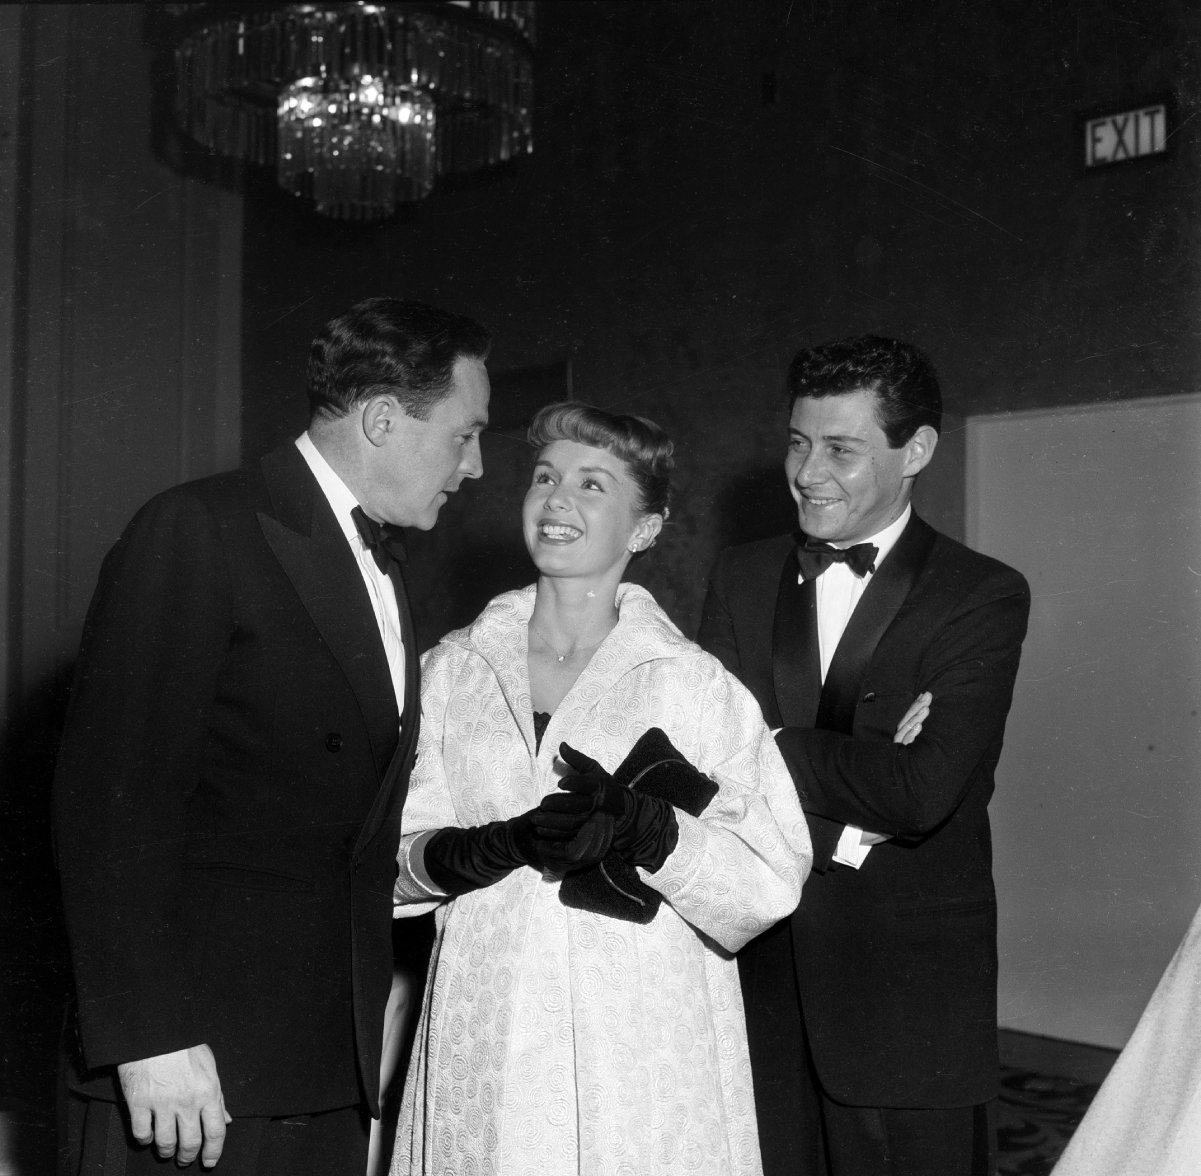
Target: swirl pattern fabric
{"points": [[555, 1040], [1146, 1118]]}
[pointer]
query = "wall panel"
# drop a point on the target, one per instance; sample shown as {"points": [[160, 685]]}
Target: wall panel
{"points": [[1097, 815]]}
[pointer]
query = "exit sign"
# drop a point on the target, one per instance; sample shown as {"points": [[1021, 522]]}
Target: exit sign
{"points": [[1126, 135]]}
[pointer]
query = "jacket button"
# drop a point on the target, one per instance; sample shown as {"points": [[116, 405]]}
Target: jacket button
{"points": [[333, 741], [870, 696]]}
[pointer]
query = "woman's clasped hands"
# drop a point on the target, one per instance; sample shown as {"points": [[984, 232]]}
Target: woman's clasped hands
{"points": [[607, 816]]}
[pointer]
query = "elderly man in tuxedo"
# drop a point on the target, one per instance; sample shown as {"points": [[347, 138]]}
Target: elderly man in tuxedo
{"points": [[872, 1011], [236, 755]]}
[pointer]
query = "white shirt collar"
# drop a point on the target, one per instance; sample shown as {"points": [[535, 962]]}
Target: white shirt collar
{"points": [[335, 490], [886, 540]]}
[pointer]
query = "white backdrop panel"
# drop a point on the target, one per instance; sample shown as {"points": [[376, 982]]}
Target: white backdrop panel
{"points": [[1097, 816]]}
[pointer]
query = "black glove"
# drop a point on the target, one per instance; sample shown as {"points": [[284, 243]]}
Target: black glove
{"points": [[573, 836], [644, 826], [653, 770], [591, 806], [460, 860]]}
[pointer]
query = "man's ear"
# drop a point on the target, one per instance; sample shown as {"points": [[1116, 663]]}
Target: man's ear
{"points": [[379, 419], [919, 450]]}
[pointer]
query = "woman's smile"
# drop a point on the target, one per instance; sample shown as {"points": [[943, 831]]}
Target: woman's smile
{"points": [[551, 532]]}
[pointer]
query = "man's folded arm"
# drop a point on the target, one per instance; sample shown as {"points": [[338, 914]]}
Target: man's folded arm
{"points": [[908, 791]]}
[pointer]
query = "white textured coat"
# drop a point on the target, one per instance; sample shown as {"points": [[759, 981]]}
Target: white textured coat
{"points": [[553, 1041]]}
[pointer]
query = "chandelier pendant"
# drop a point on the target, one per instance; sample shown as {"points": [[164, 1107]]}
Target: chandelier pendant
{"points": [[358, 106]]}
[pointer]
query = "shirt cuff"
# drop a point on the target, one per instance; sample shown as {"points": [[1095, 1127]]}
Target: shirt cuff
{"points": [[849, 851]]}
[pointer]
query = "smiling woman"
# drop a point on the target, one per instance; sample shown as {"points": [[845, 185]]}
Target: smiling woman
{"points": [[599, 496], [602, 1027], [582, 513]]}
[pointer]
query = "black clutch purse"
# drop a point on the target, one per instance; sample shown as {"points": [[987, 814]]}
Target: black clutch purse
{"points": [[612, 887]]}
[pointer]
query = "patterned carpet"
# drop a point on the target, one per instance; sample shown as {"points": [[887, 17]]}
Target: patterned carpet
{"points": [[1035, 1119]]}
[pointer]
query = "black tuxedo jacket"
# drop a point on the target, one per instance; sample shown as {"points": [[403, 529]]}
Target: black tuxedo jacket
{"points": [[228, 796], [895, 963]]}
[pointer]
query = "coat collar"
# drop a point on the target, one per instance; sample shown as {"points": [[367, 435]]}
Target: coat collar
{"points": [[643, 633]]}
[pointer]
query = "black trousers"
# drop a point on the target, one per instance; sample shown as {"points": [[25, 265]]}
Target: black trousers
{"points": [[803, 1132], [894, 1141], [97, 1142], [787, 1094]]}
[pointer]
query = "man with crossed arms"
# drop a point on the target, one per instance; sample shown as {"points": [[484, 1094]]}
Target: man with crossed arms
{"points": [[871, 1012]]}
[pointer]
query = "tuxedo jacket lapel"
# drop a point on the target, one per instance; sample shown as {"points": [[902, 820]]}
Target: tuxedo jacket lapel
{"points": [[796, 658], [313, 552], [877, 607]]}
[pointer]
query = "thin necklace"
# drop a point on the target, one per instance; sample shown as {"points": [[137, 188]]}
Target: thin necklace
{"points": [[562, 656]]}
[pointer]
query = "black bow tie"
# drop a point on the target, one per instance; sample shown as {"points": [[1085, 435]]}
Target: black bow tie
{"points": [[383, 540], [814, 556]]}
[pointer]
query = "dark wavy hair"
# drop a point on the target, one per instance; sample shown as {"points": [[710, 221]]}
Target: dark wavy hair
{"points": [[384, 345], [901, 376], [643, 447]]}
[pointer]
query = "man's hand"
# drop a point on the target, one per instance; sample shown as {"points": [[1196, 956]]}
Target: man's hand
{"points": [[175, 1100], [908, 729], [910, 726]]}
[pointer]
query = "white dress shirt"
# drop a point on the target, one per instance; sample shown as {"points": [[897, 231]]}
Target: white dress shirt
{"points": [[379, 587], [838, 592]]}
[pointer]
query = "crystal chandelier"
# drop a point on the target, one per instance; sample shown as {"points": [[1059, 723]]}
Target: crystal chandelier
{"points": [[358, 106]]}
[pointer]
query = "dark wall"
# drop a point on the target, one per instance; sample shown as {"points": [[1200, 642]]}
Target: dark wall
{"points": [[716, 183]]}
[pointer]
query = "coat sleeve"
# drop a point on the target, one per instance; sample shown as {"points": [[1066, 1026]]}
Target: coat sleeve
{"points": [[156, 634], [969, 665], [428, 805], [739, 867]]}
